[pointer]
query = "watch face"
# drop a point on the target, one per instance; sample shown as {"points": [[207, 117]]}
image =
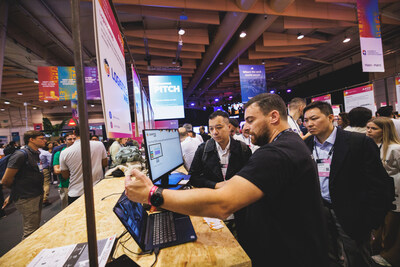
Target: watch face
{"points": [[157, 199]]}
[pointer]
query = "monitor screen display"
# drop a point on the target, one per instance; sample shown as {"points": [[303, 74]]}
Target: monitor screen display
{"points": [[166, 97], [163, 151]]}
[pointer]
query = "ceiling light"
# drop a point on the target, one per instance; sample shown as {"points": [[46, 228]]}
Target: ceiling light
{"points": [[34, 108], [207, 78], [36, 81], [92, 105], [216, 100], [272, 92], [298, 63], [231, 96], [192, 104], [300, 36], [45, 101], [263, 62], [174, 61], [346, 39], [242, 34], [7, 102], [64, 106], [19, 93], [204, 108], [288, 90], [2, 109], [181, 31], [221, 63]]}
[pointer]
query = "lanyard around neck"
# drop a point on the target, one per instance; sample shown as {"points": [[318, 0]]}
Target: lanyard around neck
{"points": [[316, 151]]}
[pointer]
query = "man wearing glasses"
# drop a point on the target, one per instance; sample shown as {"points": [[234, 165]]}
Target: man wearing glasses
{"points": [[24, 174], [64, 183]]}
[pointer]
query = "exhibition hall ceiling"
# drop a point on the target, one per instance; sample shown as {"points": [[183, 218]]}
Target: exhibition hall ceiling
{"points": [[207, 55]]}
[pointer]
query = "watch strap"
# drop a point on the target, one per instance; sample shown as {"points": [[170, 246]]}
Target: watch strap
{"points": [[152, 190]]}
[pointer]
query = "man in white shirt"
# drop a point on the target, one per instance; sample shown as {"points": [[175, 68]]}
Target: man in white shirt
{"points": [[193, 135], [189, 147], [295, 107], [71, 166], [245, 137]]}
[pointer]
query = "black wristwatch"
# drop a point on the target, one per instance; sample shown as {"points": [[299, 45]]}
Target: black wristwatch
{"points": [[156, 198]]}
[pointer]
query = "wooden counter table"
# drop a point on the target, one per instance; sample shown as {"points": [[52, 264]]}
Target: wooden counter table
{"points": [[212, 248]]}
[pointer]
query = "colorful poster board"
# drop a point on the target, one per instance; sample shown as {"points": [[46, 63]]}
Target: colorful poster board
{"points": [[59, 83], [370, 36], [92, 84], [166, 97], [67, 83], [336, 110], [252, 81], [324, 98], [112, 71], [397, 83], [137, 93], [362, 96], [48, 83]]}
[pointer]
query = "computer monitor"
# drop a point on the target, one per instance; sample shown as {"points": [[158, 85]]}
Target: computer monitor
{"points": [[164, 154]]}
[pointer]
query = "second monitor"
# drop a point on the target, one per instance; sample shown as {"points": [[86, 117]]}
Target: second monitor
{"points": [[164, 154]]}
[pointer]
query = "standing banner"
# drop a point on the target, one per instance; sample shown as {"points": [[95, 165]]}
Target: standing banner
{"points": [[67, 83], [137, 93], [252, 81], [360, 97], [74, 109], [397, 82], [324, 98], [92, 84], [48, 83], [370, 36], [112, 71]]}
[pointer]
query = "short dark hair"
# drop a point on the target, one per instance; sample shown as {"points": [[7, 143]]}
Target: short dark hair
{"points": [[68, 134], [359, 116], [268, 102], [234, 122], [219, 113], [31, 134], [324, 107], [385, 111], [76, 131], [296, 103]]}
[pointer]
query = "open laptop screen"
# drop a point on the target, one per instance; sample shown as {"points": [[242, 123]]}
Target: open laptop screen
{"points": [[133, 217]]}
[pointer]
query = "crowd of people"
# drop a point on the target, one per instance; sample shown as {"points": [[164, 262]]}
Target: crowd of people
{"points": [[296, 185]]}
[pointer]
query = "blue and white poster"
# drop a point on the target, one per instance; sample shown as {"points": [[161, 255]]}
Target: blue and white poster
{"points": [[252, 81], [166, 97]]}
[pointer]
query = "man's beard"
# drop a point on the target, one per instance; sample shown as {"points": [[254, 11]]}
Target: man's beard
{"points": [[261, 138]]}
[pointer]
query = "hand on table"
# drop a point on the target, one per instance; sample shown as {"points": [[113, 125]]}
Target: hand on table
{"points": [[138, 187]]}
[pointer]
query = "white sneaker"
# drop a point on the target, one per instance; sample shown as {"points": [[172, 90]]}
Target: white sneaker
{"points": [[380, 260]]}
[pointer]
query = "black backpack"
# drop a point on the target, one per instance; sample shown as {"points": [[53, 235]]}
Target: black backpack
{"points": [[4, 162]]}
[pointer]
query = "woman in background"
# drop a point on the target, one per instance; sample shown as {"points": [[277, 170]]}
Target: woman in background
{"points": [[343, 120], [116, 146], [387, 237]]}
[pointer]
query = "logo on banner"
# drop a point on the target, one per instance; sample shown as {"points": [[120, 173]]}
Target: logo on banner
{"points": [[110, 114], [364, 52], [168, 89], [107, 67]]}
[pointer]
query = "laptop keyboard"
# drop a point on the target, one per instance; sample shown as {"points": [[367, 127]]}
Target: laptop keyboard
{"points": [[164, 228]]}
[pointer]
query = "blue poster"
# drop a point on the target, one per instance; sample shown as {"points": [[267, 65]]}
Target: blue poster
{"points": [[166, 97], [252, 81], [67, 83]]}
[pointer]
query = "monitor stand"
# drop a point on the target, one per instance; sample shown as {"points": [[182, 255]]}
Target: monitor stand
{"points": [[169, 180]]}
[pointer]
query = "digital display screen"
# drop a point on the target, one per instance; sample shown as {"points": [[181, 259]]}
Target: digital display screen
{"points": [[166, 97], [163, 151]]}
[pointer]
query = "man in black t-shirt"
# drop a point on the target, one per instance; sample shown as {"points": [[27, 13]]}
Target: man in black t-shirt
{"points": [[284, 224]]}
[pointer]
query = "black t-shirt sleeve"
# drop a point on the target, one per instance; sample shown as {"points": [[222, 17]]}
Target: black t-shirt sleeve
{"points": [[269, 170], [16, 160]]}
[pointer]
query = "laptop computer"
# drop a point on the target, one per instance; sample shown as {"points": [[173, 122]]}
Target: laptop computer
{"points": [[164, 229]]}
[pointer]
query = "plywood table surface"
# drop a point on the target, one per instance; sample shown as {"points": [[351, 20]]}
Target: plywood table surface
{"points": [[212, 248]]}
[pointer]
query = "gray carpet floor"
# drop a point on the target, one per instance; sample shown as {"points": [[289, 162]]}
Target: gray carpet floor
{"points": [[11, 225]]}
